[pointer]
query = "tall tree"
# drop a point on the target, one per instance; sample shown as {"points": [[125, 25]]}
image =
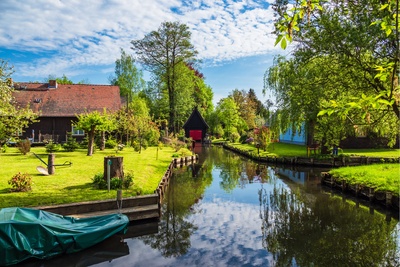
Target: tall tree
{"points": [[13, 119], [161, 52], [127, 76]]}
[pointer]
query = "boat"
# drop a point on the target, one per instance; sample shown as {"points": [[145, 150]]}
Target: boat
{"points": [[27, 233]]}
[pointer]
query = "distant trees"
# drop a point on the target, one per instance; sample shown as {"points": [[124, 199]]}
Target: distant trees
{"points": [[127, 76], [236, 115], [64, 80]]}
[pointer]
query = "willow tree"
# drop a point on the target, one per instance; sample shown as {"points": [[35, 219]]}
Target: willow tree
{"points": [[361, 38], [13, 118], [364, 35], [161, 52]]}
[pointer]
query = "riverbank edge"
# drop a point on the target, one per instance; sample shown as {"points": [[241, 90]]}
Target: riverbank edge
{"points": [[332, 162], [389, 199], [137, 208]]}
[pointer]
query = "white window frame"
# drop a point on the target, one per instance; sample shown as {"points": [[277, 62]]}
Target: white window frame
{"points": [[77, 132]]}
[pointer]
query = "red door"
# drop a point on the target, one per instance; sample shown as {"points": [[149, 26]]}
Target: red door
{"points": [[195, 134]]}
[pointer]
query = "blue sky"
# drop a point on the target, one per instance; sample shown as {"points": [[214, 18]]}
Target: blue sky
{"points": [[82, 39]]}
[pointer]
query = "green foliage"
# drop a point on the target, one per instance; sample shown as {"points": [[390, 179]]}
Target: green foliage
{"points": [[51, 147], [263, 137], [228, 115], [363, 65], [24, 146], [163, 57], [3, 148], [21, 182], [182, 152], [234, 137], [111, 143], [128, 180], [12, 118], [127, 76], [115, 183], [99, 182], [71, 145], [94, 122], [175, 143]]}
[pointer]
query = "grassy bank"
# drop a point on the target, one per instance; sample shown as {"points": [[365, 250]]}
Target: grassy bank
{"points": [[290, 150], [382, 177], [74, 183]]}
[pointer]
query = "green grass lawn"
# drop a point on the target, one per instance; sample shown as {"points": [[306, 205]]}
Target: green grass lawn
{"points": [[74, 183], [378, 153], [291, 150], [382, 177]]}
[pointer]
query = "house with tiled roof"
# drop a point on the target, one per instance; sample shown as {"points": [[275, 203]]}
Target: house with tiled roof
{"points": [[59, 104]]}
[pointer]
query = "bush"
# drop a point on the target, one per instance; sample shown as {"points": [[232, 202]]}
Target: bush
{"points": [[4, 148], [51, 147], [128, 180], [183, 152], [71, 145], [115, 183], [99, 182], [85, 142], [111, 143], [24, 146], [20, 182], [234, 137]]}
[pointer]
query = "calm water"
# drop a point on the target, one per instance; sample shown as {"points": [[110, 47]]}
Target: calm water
{"points": [[229, 211]]}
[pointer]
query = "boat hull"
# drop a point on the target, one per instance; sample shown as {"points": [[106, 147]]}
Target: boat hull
{"points": [[30, 233]]}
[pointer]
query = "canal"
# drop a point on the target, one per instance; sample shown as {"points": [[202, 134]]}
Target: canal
{"points": [[226, 210]]}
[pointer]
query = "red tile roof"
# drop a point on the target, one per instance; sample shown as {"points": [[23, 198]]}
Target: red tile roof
{"points": [[67, 100]]}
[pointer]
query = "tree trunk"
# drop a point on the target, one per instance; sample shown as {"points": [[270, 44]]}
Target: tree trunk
{"points": [[103, 140], [90, 142], [116, 167], [310, 132], [51, 158]]}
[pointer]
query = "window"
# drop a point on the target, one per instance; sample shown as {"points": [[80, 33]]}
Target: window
{"points": [[76, 131]]}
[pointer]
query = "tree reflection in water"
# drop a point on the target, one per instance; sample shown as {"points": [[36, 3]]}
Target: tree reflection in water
{"points": [[175, 230], [324, 231]]}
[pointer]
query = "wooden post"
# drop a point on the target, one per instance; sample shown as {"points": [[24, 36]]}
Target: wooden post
{"points": [[50, 163], [116, 168]]}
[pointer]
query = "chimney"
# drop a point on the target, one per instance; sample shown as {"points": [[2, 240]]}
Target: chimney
{"points": [[52, 84]]}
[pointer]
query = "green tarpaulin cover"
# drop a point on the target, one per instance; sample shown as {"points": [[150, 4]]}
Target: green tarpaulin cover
{"points": [[30, 233]]}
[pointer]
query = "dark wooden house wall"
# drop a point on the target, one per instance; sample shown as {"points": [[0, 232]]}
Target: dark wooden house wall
{"points": [[57, 127]]}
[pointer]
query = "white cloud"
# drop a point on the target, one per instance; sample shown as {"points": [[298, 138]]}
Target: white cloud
{"points": [[69, 36]]}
